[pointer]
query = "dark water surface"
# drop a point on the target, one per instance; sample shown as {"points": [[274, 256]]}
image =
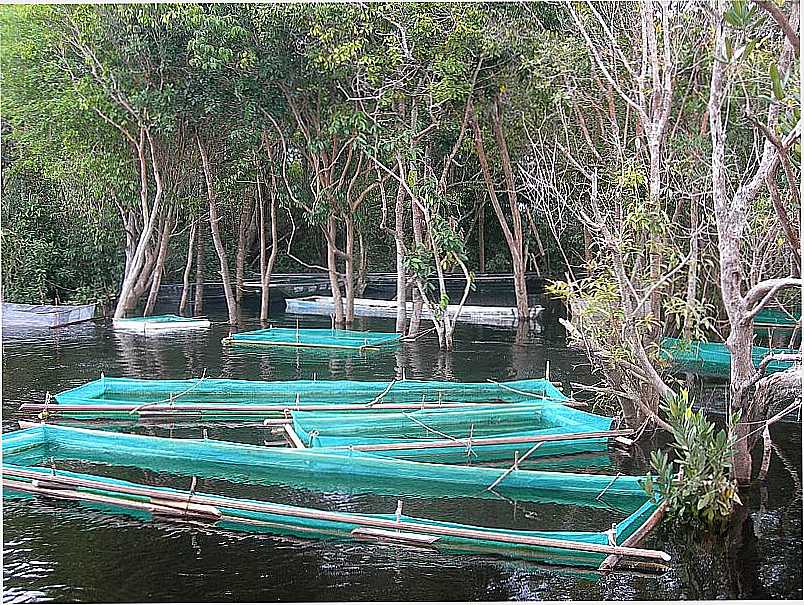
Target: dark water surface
{"points": [[63, 552]]}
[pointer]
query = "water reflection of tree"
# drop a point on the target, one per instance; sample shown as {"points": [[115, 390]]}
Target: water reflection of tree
{"points": [[527, 359]]}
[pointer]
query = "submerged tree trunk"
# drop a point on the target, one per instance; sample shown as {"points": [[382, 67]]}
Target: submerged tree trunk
{"points": [[198, 292], [481, 237], [159, 265], [418, 240], [731, 218], [231, 303], [129, 292], [513, 233], [332, 271], [349, 311], [188, 266], [401, 277], [243, 236], [267, 262]]}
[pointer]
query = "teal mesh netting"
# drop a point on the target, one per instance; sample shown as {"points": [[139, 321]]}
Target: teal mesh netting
{"points": [[315, 467], [250, 515], [521, 422], [713, 358], [315, 337], [126, 398]]}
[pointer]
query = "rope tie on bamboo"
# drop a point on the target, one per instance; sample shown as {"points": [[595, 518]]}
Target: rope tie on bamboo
{"points": [[172, 398], [611, 534], [398, 512], [469, 451], [771, 420], [43, 415], [190, 495], [313, 434], [641, 429]]}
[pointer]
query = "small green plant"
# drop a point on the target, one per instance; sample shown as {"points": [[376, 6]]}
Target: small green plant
{"points": [[697, 484]]}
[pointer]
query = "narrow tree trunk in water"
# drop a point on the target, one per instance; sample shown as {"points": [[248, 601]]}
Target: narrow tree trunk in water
{"points": [[350, 271], [198, 292], [521, 289], [240, 256], [264, 292], [654, 147], [481, 237], [156, 281], [401, 277], [692, 278], [513, 233], [361, 279], [185, 289], [231, 303], [332, 269], [418, 239], [267, 262]]}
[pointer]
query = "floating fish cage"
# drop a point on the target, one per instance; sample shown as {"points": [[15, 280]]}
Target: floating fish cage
{"points": [[160, 323], [211, 398], [45, 316], [462, 436], [322, 338], [26, 451], [371, 307], [325, 468], [713, 358]]}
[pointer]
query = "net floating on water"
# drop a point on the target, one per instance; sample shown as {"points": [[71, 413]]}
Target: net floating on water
{"points": [[577, 548], [713, 358], [465, 435], [217, 398], [315, 337], [323, 468]]}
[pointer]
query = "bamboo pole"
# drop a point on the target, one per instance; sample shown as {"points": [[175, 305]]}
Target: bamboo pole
{"points": [[514, 466], [423, 444], [292, 437], [335, 517]]}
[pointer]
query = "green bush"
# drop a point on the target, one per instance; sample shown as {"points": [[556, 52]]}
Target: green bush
{"points": [[696, 484]]}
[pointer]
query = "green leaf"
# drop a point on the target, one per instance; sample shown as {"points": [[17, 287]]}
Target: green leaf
{"points": [[776, 81]]}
